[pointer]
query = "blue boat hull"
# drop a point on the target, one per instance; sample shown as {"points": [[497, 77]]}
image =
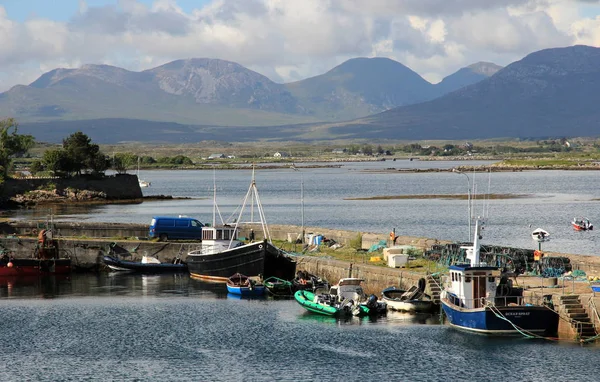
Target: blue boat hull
{"points": [[520, 319], [257, 290]]}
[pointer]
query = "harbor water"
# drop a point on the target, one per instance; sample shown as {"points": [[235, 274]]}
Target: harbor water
{"points": [[547, 199], [172, 328]]}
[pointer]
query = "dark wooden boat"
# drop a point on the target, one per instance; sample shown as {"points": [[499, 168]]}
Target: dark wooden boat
{"points": [[146, 265], [308, 281], [259, 259]]}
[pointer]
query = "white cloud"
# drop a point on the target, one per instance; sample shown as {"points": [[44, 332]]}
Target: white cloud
{"points": [[290, 40]]}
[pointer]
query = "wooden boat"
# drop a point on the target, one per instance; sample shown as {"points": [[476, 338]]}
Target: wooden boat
{"points": [[45, 260], [345, 298], [222, 253], [279, 287], [413, 300], [595, 287], [146, 265], [242, 285], [540, 235], [582, 224], [475, 301]]}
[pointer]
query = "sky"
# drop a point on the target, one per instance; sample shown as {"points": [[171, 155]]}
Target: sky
{"points": [[285, 40]]}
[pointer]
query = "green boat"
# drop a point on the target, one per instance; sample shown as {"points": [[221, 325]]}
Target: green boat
{"points": [[308, 302], [278, 287], [344, 299]]}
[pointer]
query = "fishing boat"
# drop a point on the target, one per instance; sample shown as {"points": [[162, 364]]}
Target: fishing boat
{"points": [[147, 264], [223, 253], [540, 235], [242, 285], [279, 287], [345, 298], [582, 224], [45, 259], [413, 300], [479, 300]]}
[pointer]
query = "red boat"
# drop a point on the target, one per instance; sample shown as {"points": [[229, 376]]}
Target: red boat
{"points": [[45, 260], [582, 224]]}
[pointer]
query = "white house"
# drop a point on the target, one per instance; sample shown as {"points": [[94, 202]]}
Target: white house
{"points": [[216, 156], [281, 154]]}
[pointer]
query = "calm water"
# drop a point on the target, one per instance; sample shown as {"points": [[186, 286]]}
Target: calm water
{"points": [[552, 199], [163, 328]]}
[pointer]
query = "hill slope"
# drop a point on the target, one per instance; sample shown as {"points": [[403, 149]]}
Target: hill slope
{"points": [[553, 92]]}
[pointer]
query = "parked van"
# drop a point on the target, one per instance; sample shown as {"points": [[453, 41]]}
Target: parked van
{"points": [[171, 228]]}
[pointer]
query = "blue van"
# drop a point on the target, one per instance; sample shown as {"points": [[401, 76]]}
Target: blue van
{"points": [[182, 227]]}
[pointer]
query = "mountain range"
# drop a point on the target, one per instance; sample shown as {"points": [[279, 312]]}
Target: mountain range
{"points": [[548, 93]]}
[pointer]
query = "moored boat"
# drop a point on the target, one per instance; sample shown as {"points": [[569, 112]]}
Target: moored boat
{"points": [[242, 285], [222, 253], [345, 298], [279, 287], [540, 235], [479, 300], [308, 281], [413, 300], [582, 224], [45, 260], [147, 264]]}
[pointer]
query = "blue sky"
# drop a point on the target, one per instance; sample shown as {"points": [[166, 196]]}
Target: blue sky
{"points": [[285, 40], [63, 10]]}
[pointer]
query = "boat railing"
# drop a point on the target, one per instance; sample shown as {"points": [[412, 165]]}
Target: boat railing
{"points": [[593, 312], [529, 300]]}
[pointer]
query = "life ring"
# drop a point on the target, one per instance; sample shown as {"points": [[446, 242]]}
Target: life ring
{"points": [[260, 246], [392, 236]]}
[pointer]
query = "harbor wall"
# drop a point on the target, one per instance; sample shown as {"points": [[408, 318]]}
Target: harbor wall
{"points": [[139, 232]]}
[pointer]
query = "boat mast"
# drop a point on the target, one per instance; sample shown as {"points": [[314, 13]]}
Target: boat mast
{"points": [[253, 195], [302, 204]]}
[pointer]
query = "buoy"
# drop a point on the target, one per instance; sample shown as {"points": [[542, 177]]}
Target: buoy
{"points": [[10, 264]]}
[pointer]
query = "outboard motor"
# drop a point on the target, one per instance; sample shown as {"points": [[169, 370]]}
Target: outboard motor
{"points": [[372, 302]]}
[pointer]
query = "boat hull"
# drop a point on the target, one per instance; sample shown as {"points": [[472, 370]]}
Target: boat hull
{"points": [[306, 300], [257, 290], [516, 320], [30, 267], [596, 288], [139, 267], [411, 306], [253, 260]]}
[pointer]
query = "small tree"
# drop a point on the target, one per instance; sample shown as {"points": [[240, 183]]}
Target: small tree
{"points": [[56, 161], [12, 145]]}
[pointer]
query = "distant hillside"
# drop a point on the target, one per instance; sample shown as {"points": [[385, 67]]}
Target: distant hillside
{"points": [[212, 92], [466, 76], [553, 92], [360, 87]]}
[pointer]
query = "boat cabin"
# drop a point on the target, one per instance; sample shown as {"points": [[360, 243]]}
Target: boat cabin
{"points": [[471, 287], [348, 288], [224, 232]]}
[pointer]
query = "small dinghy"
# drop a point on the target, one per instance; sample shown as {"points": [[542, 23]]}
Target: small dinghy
{"points": [[279, 287], [582, 224], [540, 235], [242, 285]]}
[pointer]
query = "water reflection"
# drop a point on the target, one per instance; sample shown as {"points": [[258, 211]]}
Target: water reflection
{"points": [[42, 286]]}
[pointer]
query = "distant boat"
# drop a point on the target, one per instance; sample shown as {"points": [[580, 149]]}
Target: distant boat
{"points": [[142, 183], [540, 235], [582, 224]]}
